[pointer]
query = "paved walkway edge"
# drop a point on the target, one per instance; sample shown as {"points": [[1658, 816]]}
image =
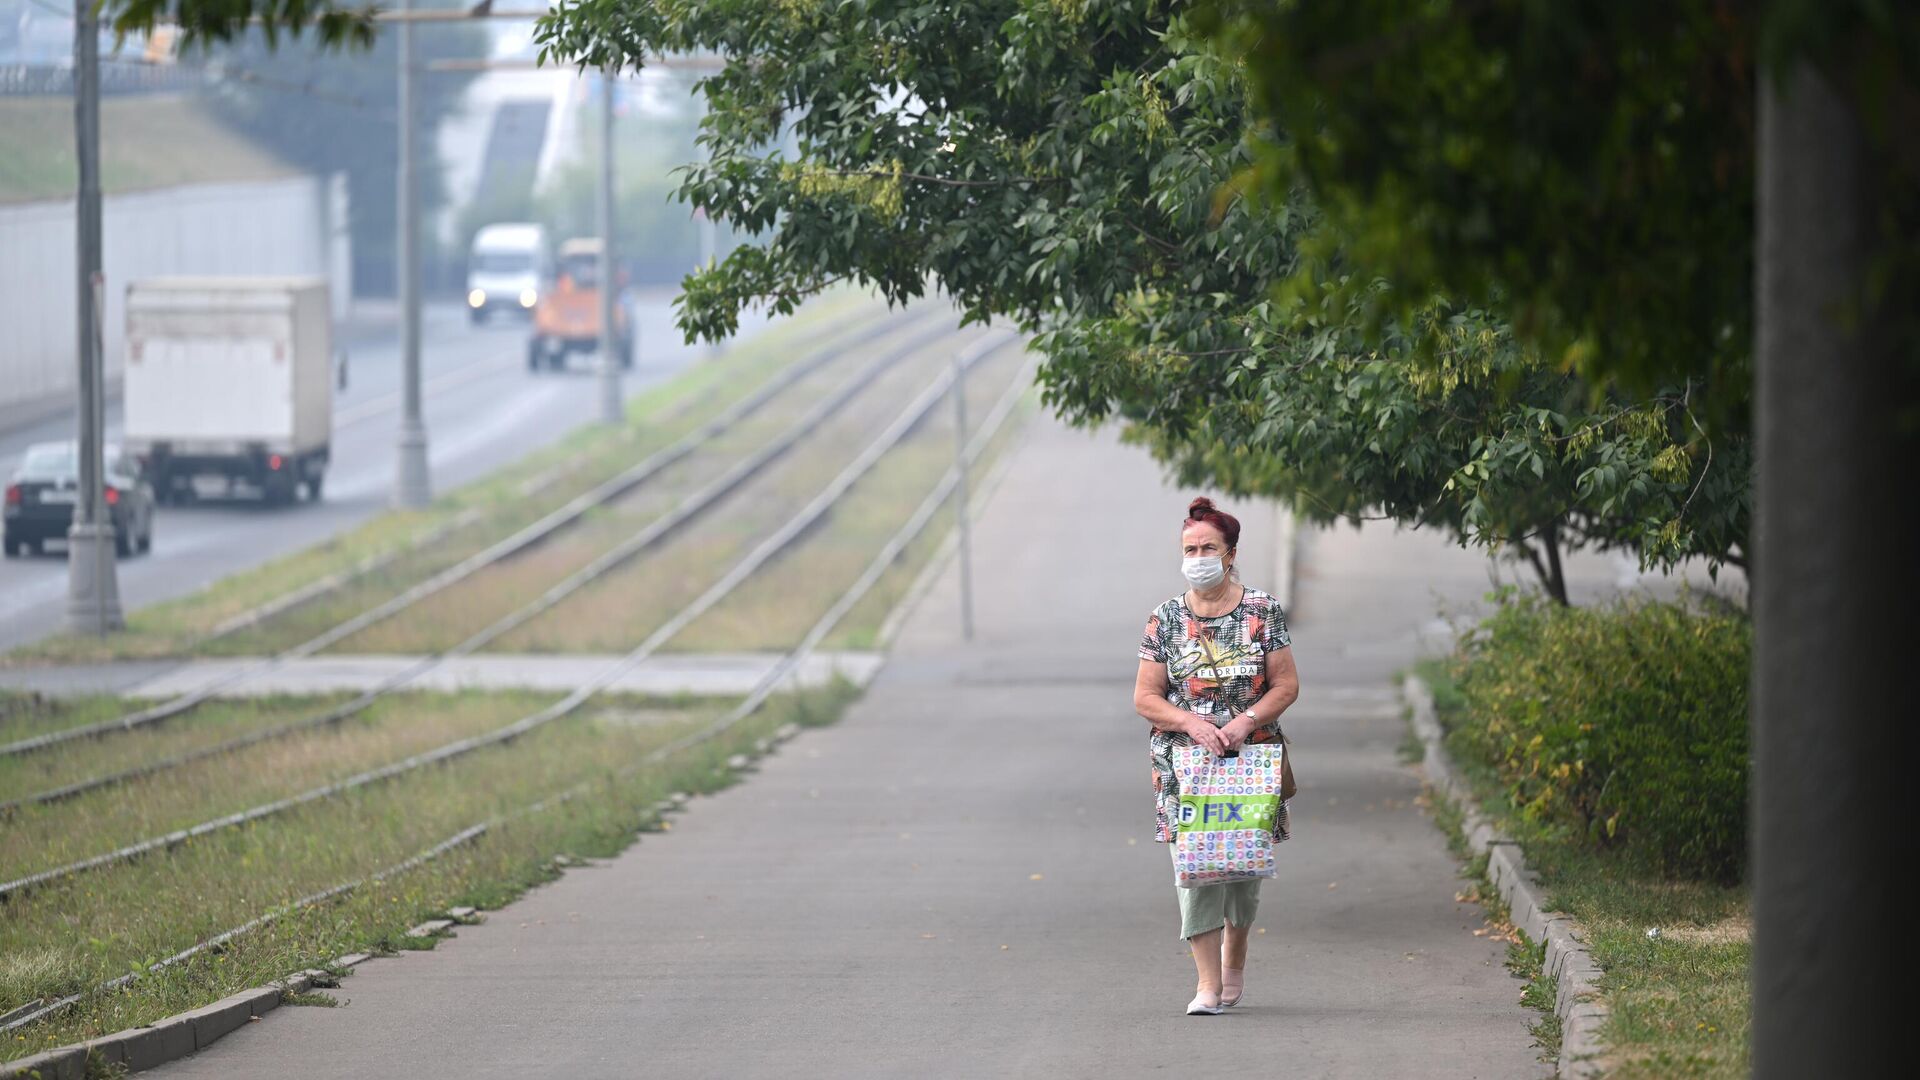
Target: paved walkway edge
{"points": [[1577, 1002], [170, 1039]]}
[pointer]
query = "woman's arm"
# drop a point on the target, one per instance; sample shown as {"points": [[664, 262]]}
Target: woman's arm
{"points": [[1283, 689], [1150, 701]]}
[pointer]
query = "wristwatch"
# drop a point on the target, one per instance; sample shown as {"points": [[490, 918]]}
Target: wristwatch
{"points": [[1255, 717]]}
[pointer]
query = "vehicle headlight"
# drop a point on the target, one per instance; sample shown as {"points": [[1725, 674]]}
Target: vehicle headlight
{"points": [[528, 297], [477, 298]]}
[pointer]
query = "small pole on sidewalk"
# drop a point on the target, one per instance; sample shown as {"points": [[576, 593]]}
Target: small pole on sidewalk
{"points": [[93, 589], [612, 403], [960, 496]]}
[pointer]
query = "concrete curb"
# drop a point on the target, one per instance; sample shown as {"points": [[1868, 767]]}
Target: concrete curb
{"points": [[1577, 1003], [165, 1040], [174, 1037]]}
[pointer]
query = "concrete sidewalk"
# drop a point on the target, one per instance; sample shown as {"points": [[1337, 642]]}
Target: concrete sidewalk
{"points": [[959, 879]]}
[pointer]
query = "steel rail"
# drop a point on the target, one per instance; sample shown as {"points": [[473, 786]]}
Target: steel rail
{"points": [[518, 541], [649, 535], [766, 550]]}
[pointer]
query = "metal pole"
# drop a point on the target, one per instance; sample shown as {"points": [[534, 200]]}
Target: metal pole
{"points": [[93, 588], [960, 496], [1833, 512], [612, 406], [412, 487]]}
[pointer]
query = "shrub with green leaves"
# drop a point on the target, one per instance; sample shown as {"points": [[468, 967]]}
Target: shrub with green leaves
{"points": [[1627, 723]]}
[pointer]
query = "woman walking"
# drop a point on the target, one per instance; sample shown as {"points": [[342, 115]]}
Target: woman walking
{"points": [[1216, 670]]}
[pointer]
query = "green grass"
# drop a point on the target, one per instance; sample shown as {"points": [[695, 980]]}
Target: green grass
{"points": [[507, 500], [81, 932], [214, 722], [687, 559], [1678, 1003], [825, 561], [633, 601], [42, 837], [145, 143]]}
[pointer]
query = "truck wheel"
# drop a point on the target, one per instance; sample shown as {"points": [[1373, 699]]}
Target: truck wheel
{"points": [[122, 542], [279, 491], [146, 537], [314, 484], [534, 352]]}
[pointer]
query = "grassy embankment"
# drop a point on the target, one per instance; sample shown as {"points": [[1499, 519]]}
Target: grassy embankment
{"points": [[145, 143], [1675, 948]]}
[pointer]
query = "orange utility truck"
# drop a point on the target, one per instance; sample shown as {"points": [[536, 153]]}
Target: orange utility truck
{"points": [[567, 317]]}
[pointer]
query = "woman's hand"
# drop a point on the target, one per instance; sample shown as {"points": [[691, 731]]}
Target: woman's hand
{"points": [[1237, 731], [1203, 733]]}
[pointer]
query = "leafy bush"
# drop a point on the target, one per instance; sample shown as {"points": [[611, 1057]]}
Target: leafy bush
{"points": [[1628, 722]]}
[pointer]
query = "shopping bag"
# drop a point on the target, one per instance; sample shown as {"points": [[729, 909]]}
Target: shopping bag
{"points": [[1229, 810]]}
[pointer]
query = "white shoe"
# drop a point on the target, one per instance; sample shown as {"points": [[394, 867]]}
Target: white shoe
{"points": [[1202, 1005]]}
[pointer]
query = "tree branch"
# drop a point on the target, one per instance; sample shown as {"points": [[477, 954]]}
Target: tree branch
{"points": [[883, 174]]}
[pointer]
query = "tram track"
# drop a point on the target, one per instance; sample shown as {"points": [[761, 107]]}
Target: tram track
{"points": [[649, 535], [520, 540], [764, 688], [765, 551]]}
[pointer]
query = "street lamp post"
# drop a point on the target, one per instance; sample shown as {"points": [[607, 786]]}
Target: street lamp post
{"points": [[612, 409], [412, 487], [93, 589]]}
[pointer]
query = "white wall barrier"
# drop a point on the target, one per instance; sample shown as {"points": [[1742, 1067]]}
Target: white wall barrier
{"points": [[286, 226]]}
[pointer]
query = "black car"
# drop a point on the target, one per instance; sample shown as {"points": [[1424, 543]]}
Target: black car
{"points": [[41, 495]]}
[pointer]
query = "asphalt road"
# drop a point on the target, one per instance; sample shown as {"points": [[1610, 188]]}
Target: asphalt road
{"points": [[483, 410]]}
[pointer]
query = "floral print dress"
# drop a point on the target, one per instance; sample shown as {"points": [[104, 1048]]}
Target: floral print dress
{"points": [[1216, 667]]}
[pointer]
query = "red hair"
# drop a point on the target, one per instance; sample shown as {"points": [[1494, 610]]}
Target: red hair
{"points": [[1201, 511]]}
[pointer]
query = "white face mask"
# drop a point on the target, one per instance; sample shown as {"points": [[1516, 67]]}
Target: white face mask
{"points": [[1203, 571]]}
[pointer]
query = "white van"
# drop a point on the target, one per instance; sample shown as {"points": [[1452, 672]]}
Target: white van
{"points": [[510, 265]]}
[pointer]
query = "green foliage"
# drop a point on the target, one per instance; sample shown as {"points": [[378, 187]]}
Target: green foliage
{"points": [[1078, 167], [1626, 725], [210, 22], [1587, 171], [1588, 168]]}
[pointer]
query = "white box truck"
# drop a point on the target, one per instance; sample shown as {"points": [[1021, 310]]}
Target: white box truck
{"points": [[231, 377]]}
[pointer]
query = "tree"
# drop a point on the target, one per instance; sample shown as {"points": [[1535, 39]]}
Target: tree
{"points": [[1615, 177], [211, 22], [1072, 166]]}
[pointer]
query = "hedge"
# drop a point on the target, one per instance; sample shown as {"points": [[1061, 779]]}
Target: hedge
{"points": [[1625, 723]]}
